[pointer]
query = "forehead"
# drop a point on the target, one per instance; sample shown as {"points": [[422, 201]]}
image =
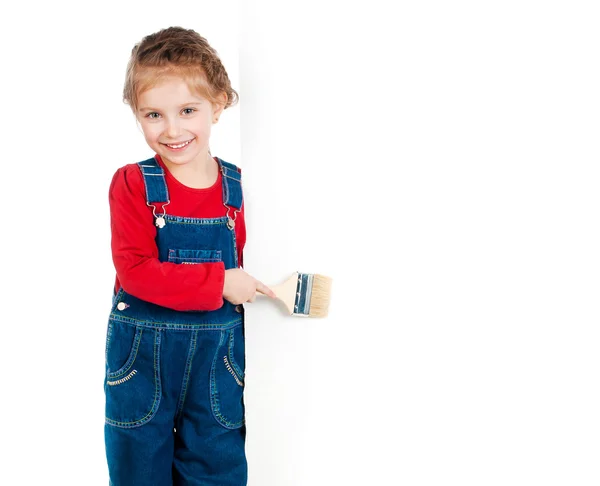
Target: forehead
{"points": [[169, 90]]}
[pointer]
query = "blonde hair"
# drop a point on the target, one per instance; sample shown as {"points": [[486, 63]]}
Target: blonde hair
{"points": [[176, 51]]}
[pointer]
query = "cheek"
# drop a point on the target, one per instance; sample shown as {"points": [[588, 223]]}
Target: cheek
{"points": [[200, 123], [151, 132], [205, 127]]}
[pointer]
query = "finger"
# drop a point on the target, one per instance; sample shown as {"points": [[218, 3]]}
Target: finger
{"points": [[251, 299], [263, 289]]}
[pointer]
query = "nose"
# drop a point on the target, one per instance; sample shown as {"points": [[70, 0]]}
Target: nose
{"points": [[173, 128]]}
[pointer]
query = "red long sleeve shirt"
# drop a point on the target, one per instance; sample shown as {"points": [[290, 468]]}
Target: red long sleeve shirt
{"points": [[134, 250]]}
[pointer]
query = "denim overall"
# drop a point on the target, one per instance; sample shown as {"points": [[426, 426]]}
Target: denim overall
{"points": [[175, 380]]}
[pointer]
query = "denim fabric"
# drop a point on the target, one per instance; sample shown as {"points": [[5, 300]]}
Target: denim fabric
{"points": [[175, 380]]}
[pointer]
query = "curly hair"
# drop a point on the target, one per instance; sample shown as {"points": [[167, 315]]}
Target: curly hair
{"points": [[176, 51]]}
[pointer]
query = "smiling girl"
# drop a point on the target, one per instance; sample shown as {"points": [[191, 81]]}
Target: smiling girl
{"points": [[175, 351]]}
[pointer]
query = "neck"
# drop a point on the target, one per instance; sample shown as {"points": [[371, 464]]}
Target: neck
{"points": [[197, 174]]}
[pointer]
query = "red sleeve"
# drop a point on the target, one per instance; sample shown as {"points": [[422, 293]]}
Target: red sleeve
{"points": [[135, 254]]}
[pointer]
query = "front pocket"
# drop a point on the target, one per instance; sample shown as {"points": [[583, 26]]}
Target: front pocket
{"points": [[121, 349], [194, 256], [132, 385], [227, 379]]}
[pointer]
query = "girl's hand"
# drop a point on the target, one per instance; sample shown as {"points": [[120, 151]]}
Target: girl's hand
{"points": [[241, 287]]}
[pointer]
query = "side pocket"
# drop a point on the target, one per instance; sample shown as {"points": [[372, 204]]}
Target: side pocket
{"points": [[132, 385], [194, 256], [227, 379]]}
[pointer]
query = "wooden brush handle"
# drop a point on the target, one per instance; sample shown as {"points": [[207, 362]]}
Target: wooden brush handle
{"points": [[285, 292]]}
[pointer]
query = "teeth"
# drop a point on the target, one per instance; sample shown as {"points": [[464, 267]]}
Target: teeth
{"points": [[178, 146]]}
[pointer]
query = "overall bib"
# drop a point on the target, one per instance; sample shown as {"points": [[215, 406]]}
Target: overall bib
{"points": [[175, 380]]}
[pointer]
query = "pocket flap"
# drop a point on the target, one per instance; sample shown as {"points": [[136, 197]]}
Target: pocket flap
{"points": [[194, 256]]}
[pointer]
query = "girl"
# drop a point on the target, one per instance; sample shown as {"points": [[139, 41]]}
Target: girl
{"points": [[175, 354]]}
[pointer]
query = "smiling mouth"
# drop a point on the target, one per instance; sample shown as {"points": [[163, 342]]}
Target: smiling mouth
{"points": [[179, 145]]}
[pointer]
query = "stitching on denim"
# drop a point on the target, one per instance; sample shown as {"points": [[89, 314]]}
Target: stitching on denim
{"points": [[213, 385], [214, 326], [229, 177], [186, 374], [200, 260], [196, 223], [217, 255], [201, 221], [238, 370], [145, 185], [214, 399], [225, 191], [216, 258], [144, 179], [122, 380], [230, 369], [235, 252], [154, 165], [193, 260], [108, 336], [157, 390], [132, 356]]}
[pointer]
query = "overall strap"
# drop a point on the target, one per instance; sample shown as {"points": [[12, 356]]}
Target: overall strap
{"points": [[232, 184], [154, 180]]}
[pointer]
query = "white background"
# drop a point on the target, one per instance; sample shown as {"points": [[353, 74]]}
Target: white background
{"points": [[439, 161]]}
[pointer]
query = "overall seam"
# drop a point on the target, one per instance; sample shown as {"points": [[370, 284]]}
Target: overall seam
{"points": [[108, 338], [225, 191], [235, 255], [186, 374], [195, 221], [173, 326]]}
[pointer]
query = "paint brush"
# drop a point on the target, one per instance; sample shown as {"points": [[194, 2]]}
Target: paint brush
{"points": [[305, 294]]}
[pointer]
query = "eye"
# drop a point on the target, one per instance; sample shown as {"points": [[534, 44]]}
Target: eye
{"points": [[151, 115], [188, 111]]}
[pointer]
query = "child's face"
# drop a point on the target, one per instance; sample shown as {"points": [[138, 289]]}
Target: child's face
{"points": [[176, 122]]}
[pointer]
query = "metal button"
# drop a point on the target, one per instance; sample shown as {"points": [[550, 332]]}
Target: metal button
{"points": [[121, 306], [238, 308]]}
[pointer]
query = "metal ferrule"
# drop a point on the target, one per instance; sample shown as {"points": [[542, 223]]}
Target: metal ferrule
{"points": [[303, 294]]}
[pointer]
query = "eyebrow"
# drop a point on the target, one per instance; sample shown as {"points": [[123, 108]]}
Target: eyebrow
{"points": [[147, 108]]}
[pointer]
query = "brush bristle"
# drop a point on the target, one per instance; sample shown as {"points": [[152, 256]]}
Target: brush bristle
{"points": [[320, 296]]}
